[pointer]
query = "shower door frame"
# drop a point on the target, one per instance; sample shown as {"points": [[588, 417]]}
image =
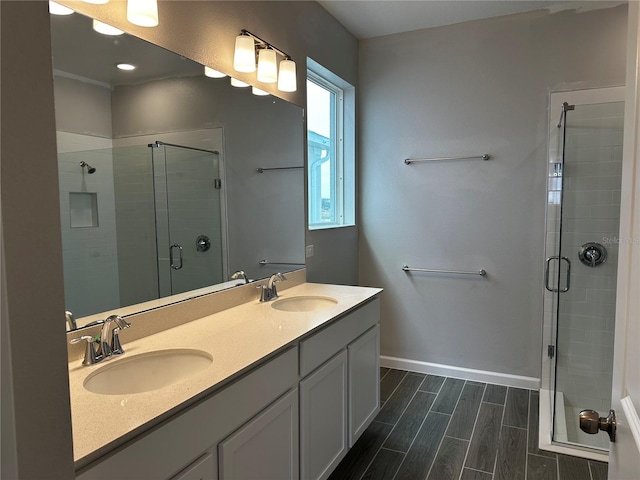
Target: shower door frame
{"points": [[547, 390]]}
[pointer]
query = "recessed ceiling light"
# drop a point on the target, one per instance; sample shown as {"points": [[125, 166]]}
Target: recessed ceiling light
{"points": [[126, 66], [57, 9], [105, 29]]}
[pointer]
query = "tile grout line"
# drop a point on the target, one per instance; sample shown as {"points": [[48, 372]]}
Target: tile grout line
{"points": [[473, 430], [447, 428], [397, 386]]}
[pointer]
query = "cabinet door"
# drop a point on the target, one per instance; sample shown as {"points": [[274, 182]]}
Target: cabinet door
{"points": [[364, 382], [201, 469], [323, 418], [266, 448]]}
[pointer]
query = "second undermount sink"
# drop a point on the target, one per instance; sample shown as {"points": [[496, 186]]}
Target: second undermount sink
{"points": [[304, 303], [147, 371]]}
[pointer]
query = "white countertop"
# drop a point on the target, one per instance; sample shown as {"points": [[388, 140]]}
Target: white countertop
{"points": [[237, 339]]}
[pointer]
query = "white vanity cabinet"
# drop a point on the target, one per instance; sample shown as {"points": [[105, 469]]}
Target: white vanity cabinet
{"points": [[292, 416], [340, 393]]}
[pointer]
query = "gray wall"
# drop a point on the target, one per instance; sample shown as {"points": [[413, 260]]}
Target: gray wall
{"points": [[29, 196], [466, 89], [204, 32]]}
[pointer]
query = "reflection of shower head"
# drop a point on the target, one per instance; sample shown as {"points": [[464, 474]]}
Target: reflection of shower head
{"points": [[90, 169]]}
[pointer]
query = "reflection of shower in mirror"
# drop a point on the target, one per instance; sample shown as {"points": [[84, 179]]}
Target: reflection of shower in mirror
{"points": [[90, 169]]}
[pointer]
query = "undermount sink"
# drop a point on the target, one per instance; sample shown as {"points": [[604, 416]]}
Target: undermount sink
{"points": [[303, 303], [147, 371]]}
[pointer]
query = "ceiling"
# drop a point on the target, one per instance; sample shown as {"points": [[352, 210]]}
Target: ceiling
{"points": [[374, 18], [79, 51]]}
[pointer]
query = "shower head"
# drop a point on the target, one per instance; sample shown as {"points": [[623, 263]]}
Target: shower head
{"points": [[90, 169]]}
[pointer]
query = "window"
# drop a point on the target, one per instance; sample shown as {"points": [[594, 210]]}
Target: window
{"points": [[330, 142]]}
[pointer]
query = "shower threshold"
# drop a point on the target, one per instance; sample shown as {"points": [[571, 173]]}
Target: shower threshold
{"points": [[545, 432]]}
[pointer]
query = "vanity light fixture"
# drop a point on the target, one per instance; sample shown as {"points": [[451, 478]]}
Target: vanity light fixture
{"points": [[57, 9], [210, 72], [238, 83], [257, 91], [143, 13], [126, 66], [105, 29], [244, 60]]}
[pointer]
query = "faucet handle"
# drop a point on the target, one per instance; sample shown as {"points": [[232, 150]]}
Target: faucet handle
{"points": [[116, 346], [90, 357]]}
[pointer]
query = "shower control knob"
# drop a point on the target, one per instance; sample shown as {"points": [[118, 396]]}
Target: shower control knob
{"points": [[591, 422]]}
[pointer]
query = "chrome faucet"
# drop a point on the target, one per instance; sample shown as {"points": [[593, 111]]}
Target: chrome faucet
{"points": [[109, 336], [109, 340], [269, 291], [71, 322], [240, 274]]}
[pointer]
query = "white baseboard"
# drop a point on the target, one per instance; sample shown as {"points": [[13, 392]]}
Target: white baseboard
{"points": [[498, 378]]}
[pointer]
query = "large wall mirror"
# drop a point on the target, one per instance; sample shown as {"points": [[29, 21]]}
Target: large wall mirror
{"points": [[161, 194]]}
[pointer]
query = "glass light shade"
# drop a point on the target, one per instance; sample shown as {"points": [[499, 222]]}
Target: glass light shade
{"points": [[267, 66], [244, 56], [238, 83], [143, 12], [287, 78], [210, 72], [57, 9], [96, 2], [105, 29], [257, 91]]}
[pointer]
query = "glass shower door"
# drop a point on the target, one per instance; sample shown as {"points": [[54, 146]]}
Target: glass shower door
{"points": [[586, 203], [188, 212]]}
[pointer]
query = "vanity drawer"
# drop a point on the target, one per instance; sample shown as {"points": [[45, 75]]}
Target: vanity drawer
{"points": [[321, 346]]}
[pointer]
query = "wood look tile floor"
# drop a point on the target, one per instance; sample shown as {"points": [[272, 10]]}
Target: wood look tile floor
{"points": [[440, 428]]}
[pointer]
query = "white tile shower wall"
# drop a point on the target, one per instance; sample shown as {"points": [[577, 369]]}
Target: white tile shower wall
{"points": [[591, 204], [89, 254]]}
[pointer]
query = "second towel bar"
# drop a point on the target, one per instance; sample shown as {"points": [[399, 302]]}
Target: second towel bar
{"points": [[480, 272], [484, 156]]}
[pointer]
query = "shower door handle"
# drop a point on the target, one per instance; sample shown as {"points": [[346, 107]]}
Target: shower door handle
{"points": [[172, 260], [546, 275]]}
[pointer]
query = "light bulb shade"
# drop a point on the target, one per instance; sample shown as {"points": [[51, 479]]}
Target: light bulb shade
{"points": [[57, 9], [210, 72], [257, 91], [244, 56], [105, 29], [238, 83], [96, 2], [143, 12], [287, 78], [267, 66]]}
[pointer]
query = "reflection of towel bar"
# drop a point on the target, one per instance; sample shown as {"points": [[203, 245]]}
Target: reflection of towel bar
{"points": [[265, 262], [480, 272], [260, 169], [484, 156]]}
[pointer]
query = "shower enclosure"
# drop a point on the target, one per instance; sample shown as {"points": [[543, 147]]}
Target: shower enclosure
{"points": [[583, 216], [147, 223]]}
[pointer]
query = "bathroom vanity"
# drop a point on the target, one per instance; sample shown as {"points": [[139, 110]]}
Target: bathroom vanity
{"points": [[285, 395]]}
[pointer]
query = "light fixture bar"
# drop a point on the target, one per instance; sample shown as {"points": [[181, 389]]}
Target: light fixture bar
{"points": [[264, 44]]}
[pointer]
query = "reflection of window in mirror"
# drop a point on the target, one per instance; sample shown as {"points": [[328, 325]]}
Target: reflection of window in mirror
{"points": [[331, 148]]}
